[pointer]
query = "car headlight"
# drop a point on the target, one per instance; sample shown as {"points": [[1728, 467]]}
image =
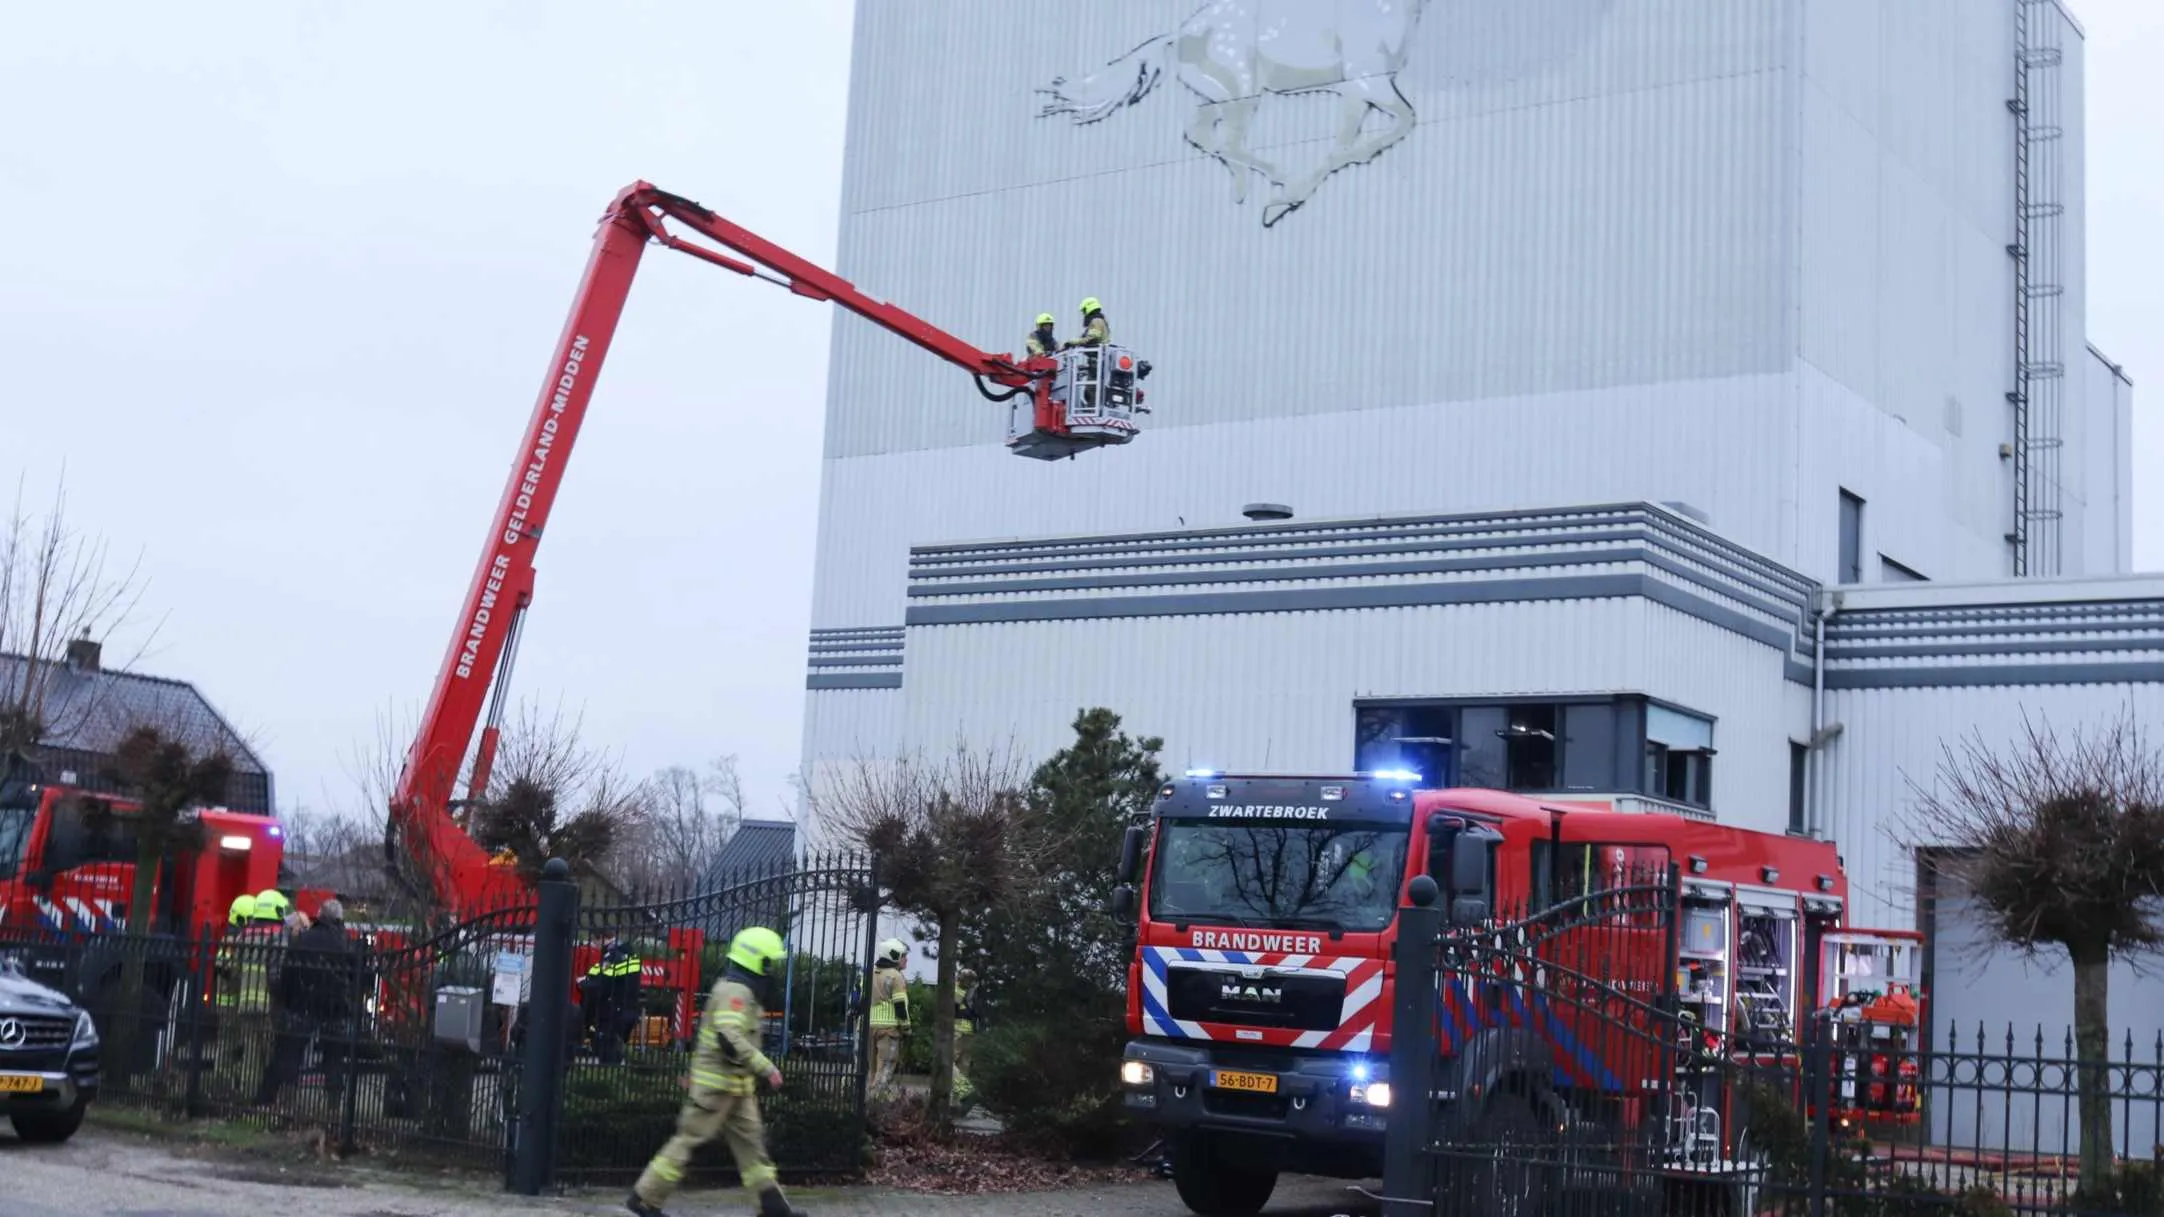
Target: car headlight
{"points": [[1137, 1073], [1374, 1094], [86, 1028]]}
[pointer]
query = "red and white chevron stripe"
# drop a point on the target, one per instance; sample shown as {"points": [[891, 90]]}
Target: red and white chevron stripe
{"points": [[1358, 1018]]}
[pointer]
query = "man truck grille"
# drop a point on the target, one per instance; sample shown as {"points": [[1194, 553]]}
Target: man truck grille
{"points": [[1299, 1001]]}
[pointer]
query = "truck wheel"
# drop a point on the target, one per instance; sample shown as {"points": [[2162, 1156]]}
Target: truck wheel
{"points": [[49, 1127], [1211, 1186], [1518, 1173]]}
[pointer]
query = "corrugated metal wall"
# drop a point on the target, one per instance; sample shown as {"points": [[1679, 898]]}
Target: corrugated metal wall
{"points": [[1738, 255]]}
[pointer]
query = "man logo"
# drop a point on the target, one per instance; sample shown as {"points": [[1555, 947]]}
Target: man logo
{"points": [[1234, 53], [12, 1033], [1259, 995]]}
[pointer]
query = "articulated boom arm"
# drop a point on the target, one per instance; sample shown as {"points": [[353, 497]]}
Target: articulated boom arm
{"points": [[477, 667]]}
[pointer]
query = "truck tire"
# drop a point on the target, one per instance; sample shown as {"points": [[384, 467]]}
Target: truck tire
{"points": [[1211, 1186], [49, 1127], [1518, 1178]]}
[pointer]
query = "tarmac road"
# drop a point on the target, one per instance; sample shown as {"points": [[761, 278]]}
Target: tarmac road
{"points": [[111, 1174]]}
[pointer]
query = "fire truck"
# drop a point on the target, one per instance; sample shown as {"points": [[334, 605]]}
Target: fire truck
{"points": [[1261, 991], [1059, 405], [67, 875]]}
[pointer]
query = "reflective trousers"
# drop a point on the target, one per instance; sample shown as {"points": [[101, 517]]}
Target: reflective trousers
{"points": [[706, 1115]]}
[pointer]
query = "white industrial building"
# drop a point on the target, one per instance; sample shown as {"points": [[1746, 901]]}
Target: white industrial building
{"points": [[1693, 381]]}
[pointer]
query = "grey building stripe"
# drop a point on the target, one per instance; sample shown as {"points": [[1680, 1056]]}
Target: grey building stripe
{"points": [[1936, 650], [854, 680], [1289, 600], [1287, 574], [2022, 629], [1686, 532], [1440, 537], [869, 661], [849, 648], [1721, 615], [1792, 608], [1968, 676]]}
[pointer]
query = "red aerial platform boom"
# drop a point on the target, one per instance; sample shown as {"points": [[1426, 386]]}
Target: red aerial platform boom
{"points": [[466, 878]]}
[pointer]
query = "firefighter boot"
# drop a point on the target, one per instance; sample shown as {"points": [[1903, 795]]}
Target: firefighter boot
{"points": [[773, 1204], [642, 1209]]}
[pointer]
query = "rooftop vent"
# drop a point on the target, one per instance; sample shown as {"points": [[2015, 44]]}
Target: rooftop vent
{"points": [[1687, 511], [1266, 511]]}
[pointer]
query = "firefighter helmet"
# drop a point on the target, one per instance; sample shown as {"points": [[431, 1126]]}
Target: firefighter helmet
{"points": [[242, 910], [1090, 305], [1046, 319], [271, 905], [755, 949], [892, 951]]}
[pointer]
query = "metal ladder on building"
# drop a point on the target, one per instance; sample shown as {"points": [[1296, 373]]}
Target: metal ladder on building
{"points": [[2037, 400]]}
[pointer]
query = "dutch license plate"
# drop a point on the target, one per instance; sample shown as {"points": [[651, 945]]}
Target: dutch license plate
{"points": [[22, 1083], [1259, 1083]]}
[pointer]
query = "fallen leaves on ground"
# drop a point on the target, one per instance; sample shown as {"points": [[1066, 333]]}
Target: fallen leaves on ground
{"points": [[977, 1165], [915, 1156]]}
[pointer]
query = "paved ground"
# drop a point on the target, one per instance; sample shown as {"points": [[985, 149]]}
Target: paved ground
{"points": [[109, 1174]]}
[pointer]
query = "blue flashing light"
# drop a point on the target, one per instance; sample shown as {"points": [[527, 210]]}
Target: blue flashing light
{"points": [[276, 831], [1397, 775], [1202, 773], [1360, 1072]]}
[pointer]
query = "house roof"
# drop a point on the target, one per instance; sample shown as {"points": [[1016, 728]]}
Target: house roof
{"points": [[756, 848], [91, 710]]}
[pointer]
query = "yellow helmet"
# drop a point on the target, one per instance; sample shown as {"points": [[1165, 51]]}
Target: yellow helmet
{"points": [[243, 909], [755, 949], [1045, 319], [1090, 305], [271, 904]]}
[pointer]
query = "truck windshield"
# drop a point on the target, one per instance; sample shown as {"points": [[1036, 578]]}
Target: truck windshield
{"points": [[1320, 876], [16, 817]]}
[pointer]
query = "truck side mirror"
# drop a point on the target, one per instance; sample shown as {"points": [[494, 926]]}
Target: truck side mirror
{"points": [[1468, 910], [1123, 902], [1469, 866], [1131, 853]]}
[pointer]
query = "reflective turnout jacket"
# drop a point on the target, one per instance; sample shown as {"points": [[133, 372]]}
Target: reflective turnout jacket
{"points": [[726, 1056]]}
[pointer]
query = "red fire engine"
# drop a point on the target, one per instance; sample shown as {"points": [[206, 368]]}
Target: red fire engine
{"points": [[1059, 406], [1261, 990], [67, 875]]}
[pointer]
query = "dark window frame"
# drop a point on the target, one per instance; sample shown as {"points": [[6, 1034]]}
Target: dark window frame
{"points": [[1628, 766], [1851, 538]]}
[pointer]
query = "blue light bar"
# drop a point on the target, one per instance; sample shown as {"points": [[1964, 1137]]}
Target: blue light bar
{"points": [[1202, 773], [1397, 775]]}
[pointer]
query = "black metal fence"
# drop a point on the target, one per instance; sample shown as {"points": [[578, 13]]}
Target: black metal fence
{"points": [[1571, 1070], [393, 1040]]}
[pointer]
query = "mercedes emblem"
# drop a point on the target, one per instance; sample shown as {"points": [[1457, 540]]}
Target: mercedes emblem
{"points": [[12, 1034]]}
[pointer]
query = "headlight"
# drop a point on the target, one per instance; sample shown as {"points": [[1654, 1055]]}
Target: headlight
{"points": [[1374, 1094], [86, 1028], [1137, 1073]]}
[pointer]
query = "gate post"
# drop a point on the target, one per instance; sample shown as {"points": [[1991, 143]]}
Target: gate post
{"points": [[1412, 1055], [541, 1088]]}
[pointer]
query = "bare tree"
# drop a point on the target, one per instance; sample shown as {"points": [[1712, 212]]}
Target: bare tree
{"points": [[55, 589], [2061, 841], [551, 796], [951, 839], [687, 817], [373, 767]]}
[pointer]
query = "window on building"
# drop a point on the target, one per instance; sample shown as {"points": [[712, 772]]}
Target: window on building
{"points": [[1679, 756], [1799, 759], [1851, 538], [1579, 745], [1589, 746], [1890, 571]]}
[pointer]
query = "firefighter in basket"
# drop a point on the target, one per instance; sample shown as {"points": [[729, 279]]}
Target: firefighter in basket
{"points": [[1042, 341], [727, 1066]]}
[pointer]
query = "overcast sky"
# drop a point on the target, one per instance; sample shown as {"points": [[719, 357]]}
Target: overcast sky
{"points": [[281, 280]]}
